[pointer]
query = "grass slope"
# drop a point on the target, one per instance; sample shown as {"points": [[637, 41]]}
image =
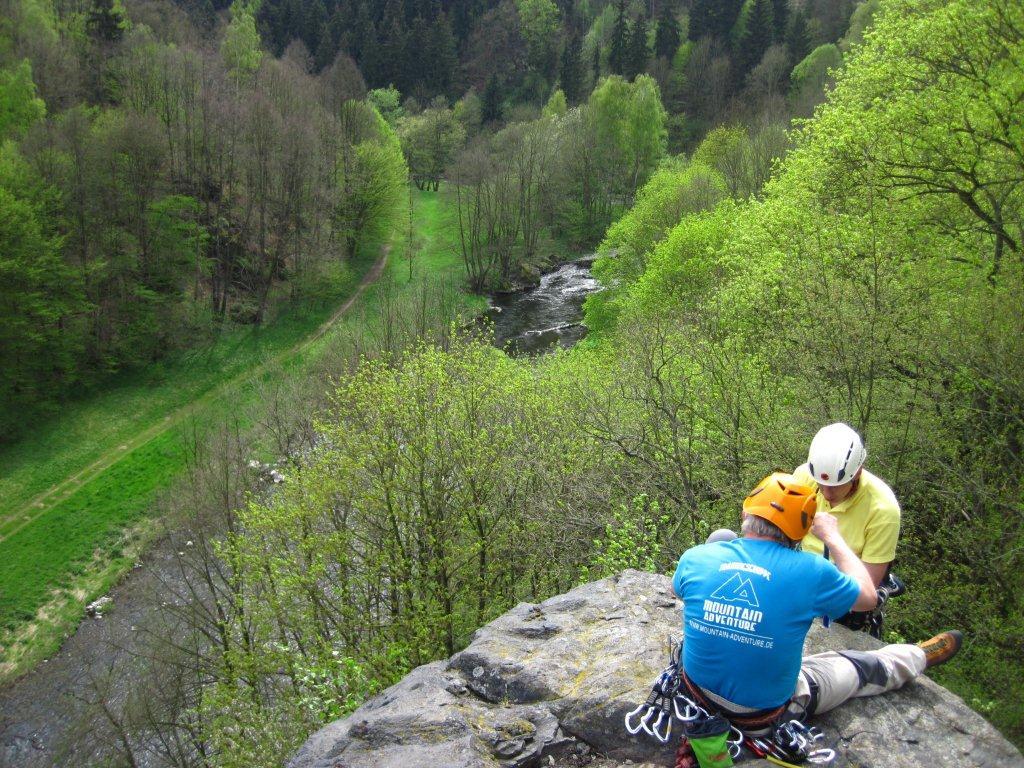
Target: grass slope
{"points": [[127, 445]]}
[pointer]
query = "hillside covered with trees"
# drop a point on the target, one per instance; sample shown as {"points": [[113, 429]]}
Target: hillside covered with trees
{"points": [[167, 169]]}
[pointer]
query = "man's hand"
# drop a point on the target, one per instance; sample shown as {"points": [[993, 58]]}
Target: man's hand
{"points": [[825, 527]]}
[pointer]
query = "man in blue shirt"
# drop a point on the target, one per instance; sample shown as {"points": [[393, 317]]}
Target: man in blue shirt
{"points": [[749, 603]]}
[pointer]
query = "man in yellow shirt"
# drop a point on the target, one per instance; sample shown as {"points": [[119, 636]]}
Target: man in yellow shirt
{"points": [[864, 505]]}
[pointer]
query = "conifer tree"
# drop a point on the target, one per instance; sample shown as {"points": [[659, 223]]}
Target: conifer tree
{"points": [[371, 60], [491, 109], [325, 51], [442, 56], [570, 73], [756, 38], [713, 18], [798, 40], [462, 19], [637, 52], [330, 41], [666, 36], [596, 63], [314, 24], [699, 19], [107, 21], [620, 41], [393, 55], [416, 63], [780, 18], [363, 36]]}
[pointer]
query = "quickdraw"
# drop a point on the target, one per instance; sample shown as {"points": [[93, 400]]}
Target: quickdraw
{"points": [[792, 742], [654, 716]]}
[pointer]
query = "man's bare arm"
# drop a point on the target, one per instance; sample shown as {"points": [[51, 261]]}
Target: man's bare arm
{"points": [[877, 571], [826, 528]]}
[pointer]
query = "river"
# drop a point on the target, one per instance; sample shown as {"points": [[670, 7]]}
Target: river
{"points": [[545, 317]]}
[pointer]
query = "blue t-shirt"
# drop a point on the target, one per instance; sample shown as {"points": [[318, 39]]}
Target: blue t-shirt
{"points": [[748, 606]]}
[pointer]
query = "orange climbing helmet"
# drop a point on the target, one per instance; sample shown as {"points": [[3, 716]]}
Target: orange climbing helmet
{"points": [[783, 502]]}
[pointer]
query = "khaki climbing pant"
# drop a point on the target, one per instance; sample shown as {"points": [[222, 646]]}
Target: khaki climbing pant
{"points": [[839, 676]]}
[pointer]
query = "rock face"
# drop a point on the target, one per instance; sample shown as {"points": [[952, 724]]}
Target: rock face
{"points": [[549, 684]]}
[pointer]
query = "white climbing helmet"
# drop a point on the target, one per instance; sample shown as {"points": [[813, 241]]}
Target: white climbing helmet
{"points": [[836, 454]]}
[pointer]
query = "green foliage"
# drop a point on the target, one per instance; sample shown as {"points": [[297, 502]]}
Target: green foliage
{"points": [[556, 106], [861, 19], [107, 21], [631, 540], [20, 107], [242, 732], [60, 551], [388, 102], [815, 71], [241, 45], [37, 296], [31, 19], [449, 475], [676, 189], [467, 111], [430, 141], [372, 175], [539, 23], [874, 282], [629, 127]]}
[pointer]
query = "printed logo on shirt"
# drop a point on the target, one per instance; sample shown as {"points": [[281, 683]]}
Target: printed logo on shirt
{"points": [[748, 567], [737, 589], [732, 612]]}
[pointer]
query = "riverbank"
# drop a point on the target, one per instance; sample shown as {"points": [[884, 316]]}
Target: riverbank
{"points": [[79, 545], [62, 712]]}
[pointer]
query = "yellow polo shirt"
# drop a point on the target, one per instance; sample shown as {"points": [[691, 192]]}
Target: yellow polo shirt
{"points": [[869, 519]]}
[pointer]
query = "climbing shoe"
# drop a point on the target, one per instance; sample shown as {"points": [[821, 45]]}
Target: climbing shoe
{"points": [[942, 647]]}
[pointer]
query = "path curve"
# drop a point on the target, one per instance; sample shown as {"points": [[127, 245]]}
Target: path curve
{"points": [[45, 501]]}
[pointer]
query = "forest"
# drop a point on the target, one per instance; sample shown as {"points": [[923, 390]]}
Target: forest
{"points": [[803, 212], [168, 169]]}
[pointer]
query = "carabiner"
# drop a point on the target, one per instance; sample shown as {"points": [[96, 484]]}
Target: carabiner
{"points": [[736, 742], [690, 712], [822, 756], [633, 731], [667, 719]]}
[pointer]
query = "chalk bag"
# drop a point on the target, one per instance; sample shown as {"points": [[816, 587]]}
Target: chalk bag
{"points": [[708, 737]]}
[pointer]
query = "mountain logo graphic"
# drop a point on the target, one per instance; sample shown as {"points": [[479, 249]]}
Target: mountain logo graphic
{"points": [[738, 589]]}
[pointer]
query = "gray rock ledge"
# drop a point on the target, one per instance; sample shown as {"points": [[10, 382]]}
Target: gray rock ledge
{"points": [[549, 685]]}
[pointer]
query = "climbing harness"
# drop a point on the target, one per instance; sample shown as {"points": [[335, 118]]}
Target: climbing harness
{"points": [[871, 621], [711, 734]]}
